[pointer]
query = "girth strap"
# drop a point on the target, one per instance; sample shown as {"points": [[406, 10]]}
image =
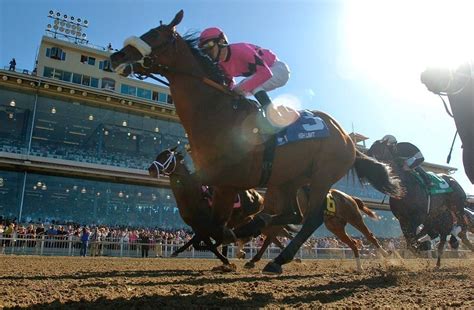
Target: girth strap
{"points": [[267, 165]]}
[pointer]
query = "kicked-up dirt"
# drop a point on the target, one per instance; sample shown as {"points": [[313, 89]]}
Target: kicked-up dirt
{"points": [[157, 283]]}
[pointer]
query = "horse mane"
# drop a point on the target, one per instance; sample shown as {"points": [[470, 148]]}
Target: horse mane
{"points": [[211, 68]]}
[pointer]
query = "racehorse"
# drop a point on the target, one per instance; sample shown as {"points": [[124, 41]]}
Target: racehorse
{"points": [[340, 210], [229, 151], [458, 85], [194, 203], [417, 207]]}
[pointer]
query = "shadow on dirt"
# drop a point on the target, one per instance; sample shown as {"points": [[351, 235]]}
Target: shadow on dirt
{"points": [[212, 300]]}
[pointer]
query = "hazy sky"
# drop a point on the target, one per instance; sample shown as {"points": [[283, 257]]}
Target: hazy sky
{"points": [[359, 61]]}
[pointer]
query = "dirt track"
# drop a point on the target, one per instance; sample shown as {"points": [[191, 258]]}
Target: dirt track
{"points": [[57, 282]]}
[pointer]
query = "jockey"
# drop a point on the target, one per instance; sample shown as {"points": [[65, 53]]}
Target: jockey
{"points": [[262, 70], [411, 155], [412, 159]]}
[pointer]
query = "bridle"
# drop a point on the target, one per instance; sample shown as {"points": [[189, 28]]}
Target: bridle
{"points": [[150, 60], [168, 166]]}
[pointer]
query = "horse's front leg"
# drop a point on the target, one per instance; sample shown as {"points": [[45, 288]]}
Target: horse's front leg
{"points": [[441, 244], [222, 204]]}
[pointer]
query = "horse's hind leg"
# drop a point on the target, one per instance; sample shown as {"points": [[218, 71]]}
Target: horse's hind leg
{"points": [[268, 240], [184, 247], [337, 227], [465, 240], [359, 224]]}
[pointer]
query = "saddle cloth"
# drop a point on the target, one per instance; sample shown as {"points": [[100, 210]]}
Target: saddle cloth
{"points": [[440, 186], [307, 126], [330, 209]]}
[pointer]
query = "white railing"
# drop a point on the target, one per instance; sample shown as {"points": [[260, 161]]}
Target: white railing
{"points": [[68, 246]]}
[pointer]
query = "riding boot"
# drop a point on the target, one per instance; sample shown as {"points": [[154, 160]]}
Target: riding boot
{"points": [[264, 124], [425, 176], [263, 98]]}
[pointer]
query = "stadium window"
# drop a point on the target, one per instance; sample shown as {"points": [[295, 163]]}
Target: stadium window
{"points": [[128, 90], [143, 93], [77, 78], [94, 82], [88, 60], [108, 84], [55, 53], [57, 74], [154, 96], [86, 80], [105, 65], [170, 100], [48, 72], [66, 76], [162, 97]]}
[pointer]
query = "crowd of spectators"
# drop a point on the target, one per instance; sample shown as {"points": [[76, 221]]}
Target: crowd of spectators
{"points": [[86, 238]]}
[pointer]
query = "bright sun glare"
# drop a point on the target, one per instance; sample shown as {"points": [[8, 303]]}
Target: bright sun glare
{"points": [[387, 40]]}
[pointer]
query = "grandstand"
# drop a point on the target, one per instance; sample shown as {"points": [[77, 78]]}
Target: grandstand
{"points": [[76, 139]]}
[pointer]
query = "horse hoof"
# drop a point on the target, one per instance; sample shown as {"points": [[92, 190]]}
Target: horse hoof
{"points": [[249, 265], [272, 268], [225, 268], [241, 255]]}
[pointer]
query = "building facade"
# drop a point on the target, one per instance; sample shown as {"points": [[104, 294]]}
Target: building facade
{"points": [[76, 141]]}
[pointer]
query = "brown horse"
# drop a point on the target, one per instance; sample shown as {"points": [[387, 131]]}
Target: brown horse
{"points": [[458, 85], [341, 210], [417, 207], [193, 202], [228, 150]]}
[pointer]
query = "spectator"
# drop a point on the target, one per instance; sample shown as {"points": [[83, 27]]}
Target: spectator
{"points": [[84, 241], [145, 242], [12, 65]]}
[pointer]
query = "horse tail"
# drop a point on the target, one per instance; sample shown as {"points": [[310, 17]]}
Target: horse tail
{"points": [[361, 205], [378, 174]]}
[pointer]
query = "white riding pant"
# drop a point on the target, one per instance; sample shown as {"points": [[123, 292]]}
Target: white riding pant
{"points": [[281, 75]]}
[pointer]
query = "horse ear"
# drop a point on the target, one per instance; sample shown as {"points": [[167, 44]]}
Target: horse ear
{"points": [[177, 19]]}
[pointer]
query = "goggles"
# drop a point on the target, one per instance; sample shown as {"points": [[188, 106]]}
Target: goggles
{"points": [[208, 45]]}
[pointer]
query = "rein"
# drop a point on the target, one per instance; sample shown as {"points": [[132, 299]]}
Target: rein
{"points": [[163, 167], [148, 61]]}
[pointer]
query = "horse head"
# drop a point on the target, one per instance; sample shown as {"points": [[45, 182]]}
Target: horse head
{"points": [[166, 163], [445, 80], [151, 52]]}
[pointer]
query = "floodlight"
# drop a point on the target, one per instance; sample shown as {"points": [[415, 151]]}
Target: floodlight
{"points": [[68, 25], [78, 20], [49, 26], [86, 22], [67, 31], [58, 14], [62, 23], [55, 27], [56, 21], [51, 12], [65, 16], [79, 28], [84, 35], [72, 17], [73, 27]]}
